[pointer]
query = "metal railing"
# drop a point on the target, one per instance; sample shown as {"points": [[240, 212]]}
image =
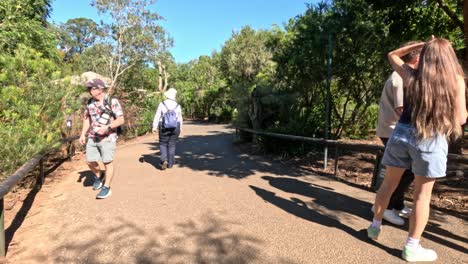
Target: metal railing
{"points": [[339, 145]]}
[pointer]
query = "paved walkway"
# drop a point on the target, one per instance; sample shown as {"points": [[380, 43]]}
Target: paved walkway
{"points": [[217, 205]]}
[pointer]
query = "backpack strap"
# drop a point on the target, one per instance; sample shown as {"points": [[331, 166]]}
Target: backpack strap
{"points": [[177, 105], [108, 103], [165, 106]]}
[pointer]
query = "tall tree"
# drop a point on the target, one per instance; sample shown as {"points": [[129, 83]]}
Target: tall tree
{"points": [[164, 61], [40, 10], [23, 22], [133, 34], [243, 58], [244, 55], [76, 35]]}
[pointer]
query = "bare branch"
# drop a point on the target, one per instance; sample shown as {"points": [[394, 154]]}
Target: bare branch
{"points": [[160, 84], [166, 76]]}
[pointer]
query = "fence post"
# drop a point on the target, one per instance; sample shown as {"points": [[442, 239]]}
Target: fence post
{"points": [[70, 151], [337, 157], [40, 179], [254, 138], [378, 158], [2, 229]]}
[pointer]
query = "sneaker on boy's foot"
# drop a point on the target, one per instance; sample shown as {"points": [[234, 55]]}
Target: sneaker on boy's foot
{"points": [[163, 165], [405, 212], [97, 184], [413, 254], [104, 193], [373, 232]]}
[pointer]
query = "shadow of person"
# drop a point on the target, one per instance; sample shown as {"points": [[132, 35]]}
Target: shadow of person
{"points": [[299, 208], [335, 201], [322, 195], [88, 177], [435, 233], [152, 159]]}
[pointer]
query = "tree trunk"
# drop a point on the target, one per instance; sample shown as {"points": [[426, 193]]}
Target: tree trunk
{"points": [[255, 113], [166, 76], [160, 81], [465, 34], [457, 145]]}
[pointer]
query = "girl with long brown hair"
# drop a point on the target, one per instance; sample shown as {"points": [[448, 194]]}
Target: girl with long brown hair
{"points": [[433, 111]]}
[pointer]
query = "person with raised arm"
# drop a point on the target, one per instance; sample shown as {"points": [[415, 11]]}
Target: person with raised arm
{"points": [[390, 109], [433, 111]]}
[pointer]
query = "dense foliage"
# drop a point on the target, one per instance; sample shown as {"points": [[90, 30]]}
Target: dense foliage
{"points": [[273, 79], [32, 105]]}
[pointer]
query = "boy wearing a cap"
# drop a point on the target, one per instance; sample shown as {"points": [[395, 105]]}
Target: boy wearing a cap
{"points": [[101, 121]]}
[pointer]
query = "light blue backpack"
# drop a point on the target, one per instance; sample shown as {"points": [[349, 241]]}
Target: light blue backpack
{"points": [[169, 118]]}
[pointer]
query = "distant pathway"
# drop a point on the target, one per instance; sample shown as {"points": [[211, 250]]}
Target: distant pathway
{"points": [[217, 205]]}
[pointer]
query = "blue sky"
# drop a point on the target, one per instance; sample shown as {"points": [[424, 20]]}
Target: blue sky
{"points": [[199, 27]]}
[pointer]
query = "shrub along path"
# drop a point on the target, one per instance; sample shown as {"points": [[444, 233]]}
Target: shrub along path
{"points": [[217, 205]]}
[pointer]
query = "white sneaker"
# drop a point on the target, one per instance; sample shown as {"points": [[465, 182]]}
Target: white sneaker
{"points": [[405, 212], [391, 216], [418, 254]]}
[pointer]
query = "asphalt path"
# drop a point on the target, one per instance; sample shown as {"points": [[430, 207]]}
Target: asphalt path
{"points": [[217, 205]]}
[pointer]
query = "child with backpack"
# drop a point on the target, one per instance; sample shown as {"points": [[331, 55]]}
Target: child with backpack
{"points": [[168, 121]]}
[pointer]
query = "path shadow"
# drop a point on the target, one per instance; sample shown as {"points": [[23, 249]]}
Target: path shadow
{"points": [[27, 204], [334, 201], [88, 177], [215, 154], [204, 240], [322, 196], [299, 208], [154, 158], [20, 217], [57, 163], [435, 233]]}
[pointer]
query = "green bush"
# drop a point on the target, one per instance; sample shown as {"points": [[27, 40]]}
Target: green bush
{"points": [[139, 115], [32, 106], [364, 125]]}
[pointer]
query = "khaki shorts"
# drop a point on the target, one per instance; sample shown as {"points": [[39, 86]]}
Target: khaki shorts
{"points": [[100, 150]]}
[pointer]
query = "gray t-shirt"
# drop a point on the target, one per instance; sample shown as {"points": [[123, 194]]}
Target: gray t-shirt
{"points": [[392, 97]]}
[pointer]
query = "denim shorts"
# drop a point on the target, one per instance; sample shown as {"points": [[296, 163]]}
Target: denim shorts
{"points": [[426, 157], [100, 150]]}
